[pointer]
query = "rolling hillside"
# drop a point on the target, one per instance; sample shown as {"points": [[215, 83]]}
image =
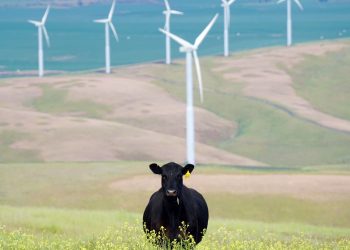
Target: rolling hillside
{"points": [[251, 115], [273, 143]]}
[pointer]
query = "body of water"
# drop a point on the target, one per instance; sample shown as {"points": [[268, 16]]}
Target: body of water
{"points": [[77, 44]]}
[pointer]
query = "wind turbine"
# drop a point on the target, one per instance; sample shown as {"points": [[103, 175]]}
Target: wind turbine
{"points": [[108, 24], [227, 16], [191, 51], [41, 30], [289, 18], [168, 12]]}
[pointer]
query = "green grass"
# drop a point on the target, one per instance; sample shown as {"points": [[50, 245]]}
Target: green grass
{"points": [[9, 154], [316, 169], [324, 82], [87, 186], [266, 132], [55, 101], [73, 223], [280, 209], [80, 229], [69, 185], [70, 206]]}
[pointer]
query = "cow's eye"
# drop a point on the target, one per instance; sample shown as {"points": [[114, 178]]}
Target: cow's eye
{"points": [[164, 177]]}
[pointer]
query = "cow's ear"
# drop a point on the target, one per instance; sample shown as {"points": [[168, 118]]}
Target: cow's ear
{"points": [[155, 168], [187, 168]]}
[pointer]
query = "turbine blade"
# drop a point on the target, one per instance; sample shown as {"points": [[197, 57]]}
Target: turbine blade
{"points": [[46, 36], [201, 37], [177, 39], [199, 74], [101, 21], [36, 23], [175, 12], [43, 20], [167, 6], [231, 2], [299, 4], [110, 15], [281, 1], [114, 31]]}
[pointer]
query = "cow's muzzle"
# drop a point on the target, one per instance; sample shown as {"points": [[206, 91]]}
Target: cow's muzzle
{"points": [[171, 192]]}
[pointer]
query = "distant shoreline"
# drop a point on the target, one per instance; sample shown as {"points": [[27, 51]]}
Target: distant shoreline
{"points": [[33, 73], [65, 3], [78, 3]]}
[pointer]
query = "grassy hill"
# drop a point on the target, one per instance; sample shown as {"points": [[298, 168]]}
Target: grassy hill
{"points": [[324, 81], [138, 112]]}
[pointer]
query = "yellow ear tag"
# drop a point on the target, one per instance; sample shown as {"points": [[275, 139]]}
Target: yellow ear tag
{"points": [[187, 175]]}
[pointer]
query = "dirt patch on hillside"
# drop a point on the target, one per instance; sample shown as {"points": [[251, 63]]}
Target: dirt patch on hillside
{"points": [[314, 187], [62, 138], [144, 121], [139, 103], [263, 72], [131, 101]]}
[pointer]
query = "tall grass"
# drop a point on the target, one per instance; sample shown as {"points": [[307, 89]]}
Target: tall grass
{"points": [[129, 236]]}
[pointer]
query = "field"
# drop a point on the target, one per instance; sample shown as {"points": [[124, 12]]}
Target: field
{"points": [[272, 148], [78, 203]]}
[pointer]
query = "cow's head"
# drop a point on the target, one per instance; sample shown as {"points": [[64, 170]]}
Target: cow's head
{"points": [[171, 177]]}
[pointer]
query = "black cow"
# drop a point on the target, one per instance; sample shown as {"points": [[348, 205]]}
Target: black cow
{"points": [[174, 203]]}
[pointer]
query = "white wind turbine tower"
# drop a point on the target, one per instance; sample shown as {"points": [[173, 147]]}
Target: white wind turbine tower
{"points": [[289, 18], [168, 12], [108, 24], [191, 50], [227, 16], [41, 30]]}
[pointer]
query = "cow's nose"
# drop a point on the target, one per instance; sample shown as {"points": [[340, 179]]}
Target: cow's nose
{"points": [[171, 192]]}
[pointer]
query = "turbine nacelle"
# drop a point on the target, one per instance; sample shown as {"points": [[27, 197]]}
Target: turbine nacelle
{"points": [[187, 47], [227, 3], [36, 23], [41, 25], [167, 13], [108, 21], [41, 29], [289, 18], [296, 1]]}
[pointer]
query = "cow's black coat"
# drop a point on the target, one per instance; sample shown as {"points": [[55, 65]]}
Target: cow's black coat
{"points": [[174, 203]]}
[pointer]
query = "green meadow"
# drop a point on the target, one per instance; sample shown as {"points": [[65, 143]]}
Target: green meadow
{"points": [[71, 206]]}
